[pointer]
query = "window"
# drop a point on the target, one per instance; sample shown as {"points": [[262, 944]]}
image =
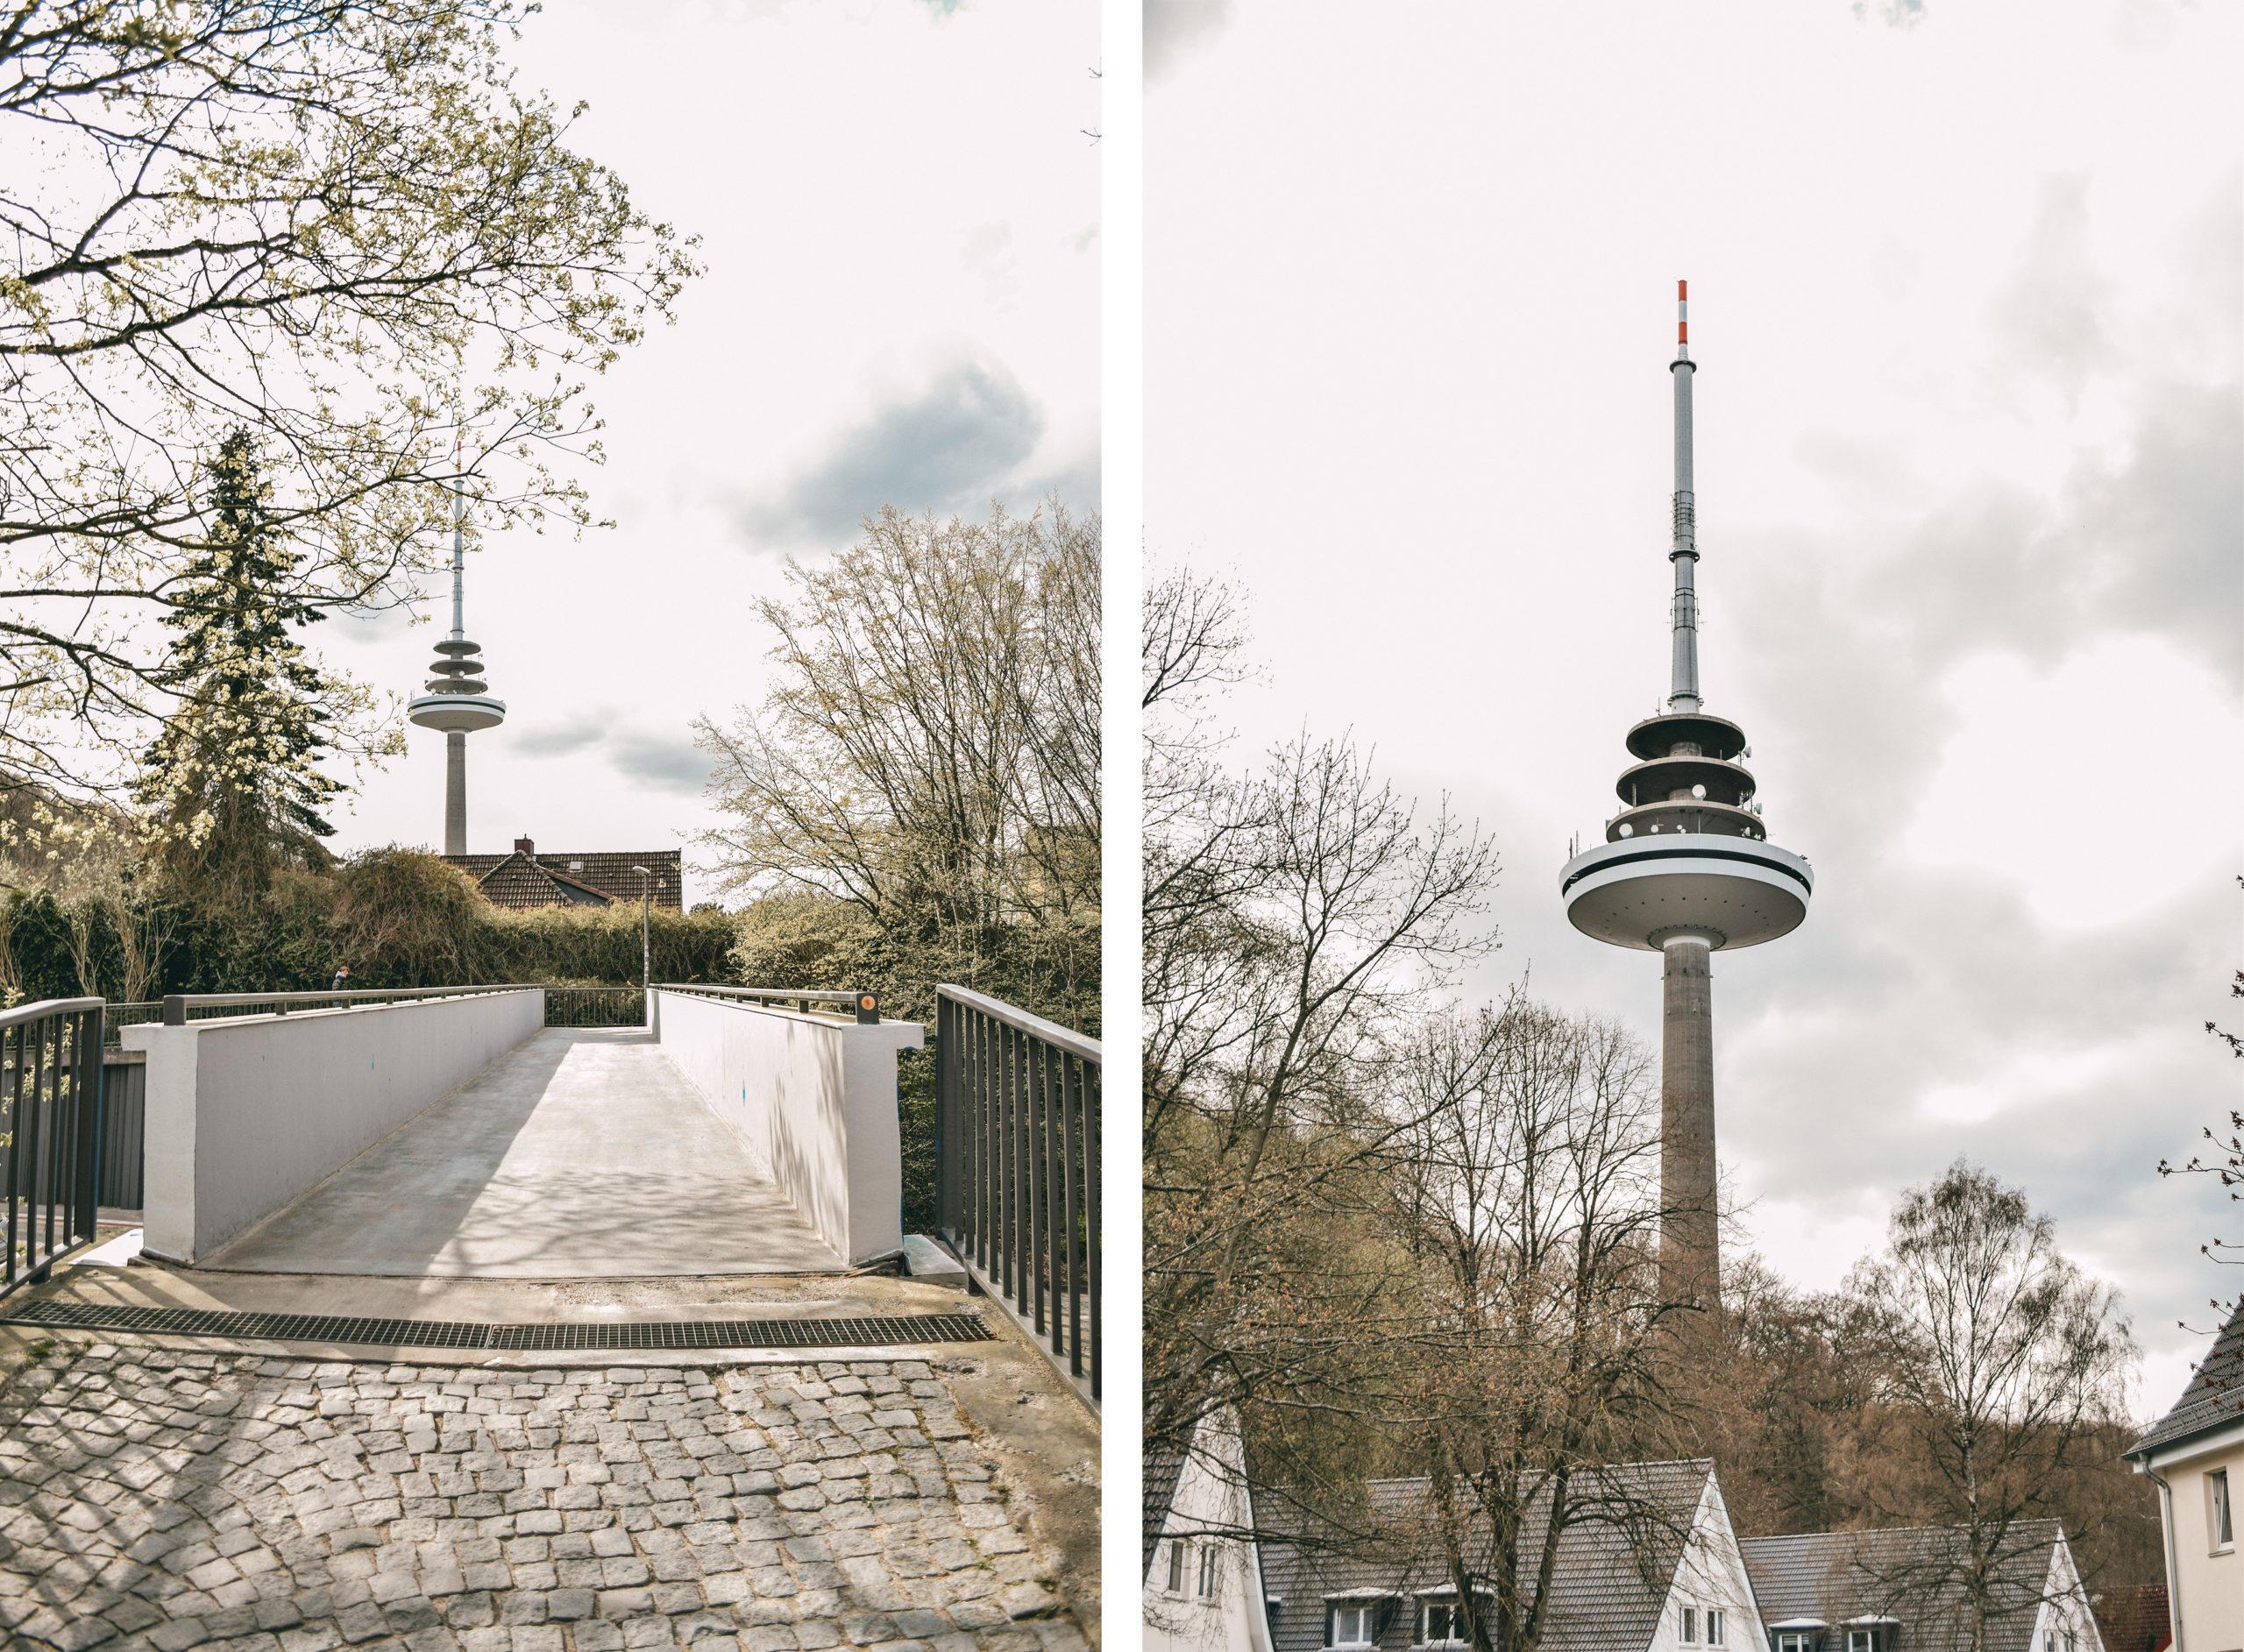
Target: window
{"points": [[1212, 1571], [1689, 1634], [1795, 1643], [1440, 1623], [1175, 1567], [2220, 1523], [1862, 1640], [1714, 1627], [1352, 1624]]}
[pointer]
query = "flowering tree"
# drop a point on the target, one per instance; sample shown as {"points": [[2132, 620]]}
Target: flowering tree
{"points": [[332, 224]]}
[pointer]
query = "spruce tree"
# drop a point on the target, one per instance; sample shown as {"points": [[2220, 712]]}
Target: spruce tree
{"points": [[232, 780]]}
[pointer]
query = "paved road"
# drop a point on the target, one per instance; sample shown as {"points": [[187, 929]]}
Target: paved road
{"points": [[165, 1500], [583, 1154]]}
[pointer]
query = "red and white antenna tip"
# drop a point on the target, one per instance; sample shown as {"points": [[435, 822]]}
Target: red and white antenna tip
{"points": [[1682, 313]]}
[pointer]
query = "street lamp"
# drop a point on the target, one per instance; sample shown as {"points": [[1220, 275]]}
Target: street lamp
{"points": [[646, 953]]}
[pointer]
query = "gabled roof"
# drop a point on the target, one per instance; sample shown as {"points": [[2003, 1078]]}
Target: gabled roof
{"points": [[1608, 1588], [519, 882], [2214, 1397], [537, 877], [1909, 1574]]}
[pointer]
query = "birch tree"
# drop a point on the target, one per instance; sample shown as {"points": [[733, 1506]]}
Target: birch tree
{"points": [[2010, 1365]]}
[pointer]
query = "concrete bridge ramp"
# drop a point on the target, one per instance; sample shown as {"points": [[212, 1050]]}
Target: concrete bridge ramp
{"points": [[583, 1153]]}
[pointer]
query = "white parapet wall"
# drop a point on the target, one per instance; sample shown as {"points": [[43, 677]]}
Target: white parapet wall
{"points": [[813, 1099], [248, 1113]]}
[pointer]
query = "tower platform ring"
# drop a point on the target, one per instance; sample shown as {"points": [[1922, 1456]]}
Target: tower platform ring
{"points": [[456, 714], [1625, 894]]}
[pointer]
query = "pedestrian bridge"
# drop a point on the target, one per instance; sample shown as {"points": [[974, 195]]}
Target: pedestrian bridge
{"points": [[454, 1135], [448, 1135]]}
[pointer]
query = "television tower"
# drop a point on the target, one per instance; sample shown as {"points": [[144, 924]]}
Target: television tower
{"points": [[1686, 870], [457, 701]]}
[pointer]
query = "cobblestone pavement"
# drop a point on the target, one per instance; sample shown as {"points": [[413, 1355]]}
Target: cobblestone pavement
{"points": [[173, 1500]]}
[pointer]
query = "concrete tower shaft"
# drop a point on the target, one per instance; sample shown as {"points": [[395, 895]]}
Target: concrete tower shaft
{"points": [[1690, 1228]]}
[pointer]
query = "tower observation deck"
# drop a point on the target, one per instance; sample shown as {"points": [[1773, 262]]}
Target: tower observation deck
{"points": [[1686, 870], [458, 700]]}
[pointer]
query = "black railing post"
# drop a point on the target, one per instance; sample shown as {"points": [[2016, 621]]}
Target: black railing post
{"points": [[35, 1222], [947, 1142], [12, 1073], [87, 1085]]}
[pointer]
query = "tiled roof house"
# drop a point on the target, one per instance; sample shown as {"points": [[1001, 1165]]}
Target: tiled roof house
{"points": [[1902, 1591], [1203, 1578], [1665, 1576], [525, 879], [2195, 1456]]}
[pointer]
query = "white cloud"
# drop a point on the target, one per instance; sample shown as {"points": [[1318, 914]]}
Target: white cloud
{"points": [[2103, 786]]}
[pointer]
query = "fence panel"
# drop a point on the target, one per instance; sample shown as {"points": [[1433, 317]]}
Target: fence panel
{"points": [[595, 1007], [125, 1116], [1016, 1173], [50, 1121]]}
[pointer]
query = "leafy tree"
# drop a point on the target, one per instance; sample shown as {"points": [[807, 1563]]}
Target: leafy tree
{"points": [[335, 224], [233, 781], [929, 755]]}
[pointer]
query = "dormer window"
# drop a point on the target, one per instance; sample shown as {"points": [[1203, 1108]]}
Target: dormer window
{"points": [[1795, 1641], [1862, 1640], [1351, 1623], [1441, 1624]]}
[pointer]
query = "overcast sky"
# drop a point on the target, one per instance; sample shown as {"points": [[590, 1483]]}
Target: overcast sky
{"points": [[1966, 296], [899, 211]]}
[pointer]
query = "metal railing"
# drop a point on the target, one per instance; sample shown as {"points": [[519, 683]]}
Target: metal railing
{"points": [[595, 1007], [118, 1016], [50, 1106], [1017, 1177], [180, 1008], [864, 1006]]}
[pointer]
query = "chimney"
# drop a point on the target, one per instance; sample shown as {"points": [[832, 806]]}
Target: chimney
{"points": [[524, 846]]}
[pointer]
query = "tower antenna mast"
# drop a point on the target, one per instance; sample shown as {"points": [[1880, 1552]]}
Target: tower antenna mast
{"points": [[459, 540], [1683, 549]]}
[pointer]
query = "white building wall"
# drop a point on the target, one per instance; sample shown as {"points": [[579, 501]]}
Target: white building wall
{"points": [[245, 1114], [1711, 1575], [2204, 1584], [2064, 1622], [812, 1099], [1211, 1499]]}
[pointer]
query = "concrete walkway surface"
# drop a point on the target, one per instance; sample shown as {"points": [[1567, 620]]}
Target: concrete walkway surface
{"points": [[583, 1153]]}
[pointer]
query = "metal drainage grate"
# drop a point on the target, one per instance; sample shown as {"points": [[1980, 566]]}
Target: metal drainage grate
{"points": [[435, 1333]]}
